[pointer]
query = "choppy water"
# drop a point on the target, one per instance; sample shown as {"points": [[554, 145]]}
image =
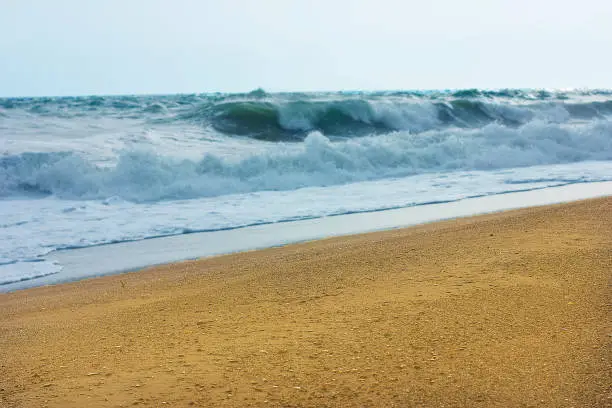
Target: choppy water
{"points": [[84, 171]]}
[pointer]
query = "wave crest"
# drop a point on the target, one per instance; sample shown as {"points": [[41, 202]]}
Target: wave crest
{"points": [[274, 120]]}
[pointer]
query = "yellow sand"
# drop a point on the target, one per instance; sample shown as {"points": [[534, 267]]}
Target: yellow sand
{"points": [[505, 310]]}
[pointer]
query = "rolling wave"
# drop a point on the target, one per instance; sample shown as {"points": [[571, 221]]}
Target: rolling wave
{"points": [[290, 120], [292, 116]]}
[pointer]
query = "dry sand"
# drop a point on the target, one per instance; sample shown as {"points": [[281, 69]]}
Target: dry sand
{"points": [[505, 310]]}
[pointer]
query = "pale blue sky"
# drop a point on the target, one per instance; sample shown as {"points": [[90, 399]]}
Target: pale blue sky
{"points": [[75, 47]]}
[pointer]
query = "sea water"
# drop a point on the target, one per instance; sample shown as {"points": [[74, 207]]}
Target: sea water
{"points": [[84, 171]]}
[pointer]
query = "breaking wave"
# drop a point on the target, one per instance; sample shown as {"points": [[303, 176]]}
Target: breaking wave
{"points": [[145, 176], [288, 120]]}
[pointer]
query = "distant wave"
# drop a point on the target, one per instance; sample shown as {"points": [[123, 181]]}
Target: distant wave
{"points": [[143, 176], [292, 116]]}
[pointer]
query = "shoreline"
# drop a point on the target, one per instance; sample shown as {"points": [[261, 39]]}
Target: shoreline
{"points": [[504, 309], [118, 258]]}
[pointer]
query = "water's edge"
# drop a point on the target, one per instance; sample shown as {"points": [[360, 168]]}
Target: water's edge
{"points": [[124, 257]]}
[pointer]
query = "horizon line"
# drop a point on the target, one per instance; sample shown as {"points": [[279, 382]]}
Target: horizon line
{"points": [[281, 92]]}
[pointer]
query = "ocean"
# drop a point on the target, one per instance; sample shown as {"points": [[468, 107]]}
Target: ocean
{"points": [[78, 172]]}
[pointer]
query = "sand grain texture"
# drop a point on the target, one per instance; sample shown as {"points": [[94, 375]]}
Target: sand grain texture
{"points": [[504, 310]]}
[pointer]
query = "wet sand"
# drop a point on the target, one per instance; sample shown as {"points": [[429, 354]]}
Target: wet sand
{"points": [[502, 310]]}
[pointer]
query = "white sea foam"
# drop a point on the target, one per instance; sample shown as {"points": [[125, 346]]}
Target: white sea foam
{"points": [[145, 175], [34, 227]]}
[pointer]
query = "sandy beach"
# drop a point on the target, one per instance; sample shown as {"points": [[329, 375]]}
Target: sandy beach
{"points": [[502, 310]]}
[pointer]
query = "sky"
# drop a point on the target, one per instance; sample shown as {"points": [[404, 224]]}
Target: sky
{"points": [[84, 47]]}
